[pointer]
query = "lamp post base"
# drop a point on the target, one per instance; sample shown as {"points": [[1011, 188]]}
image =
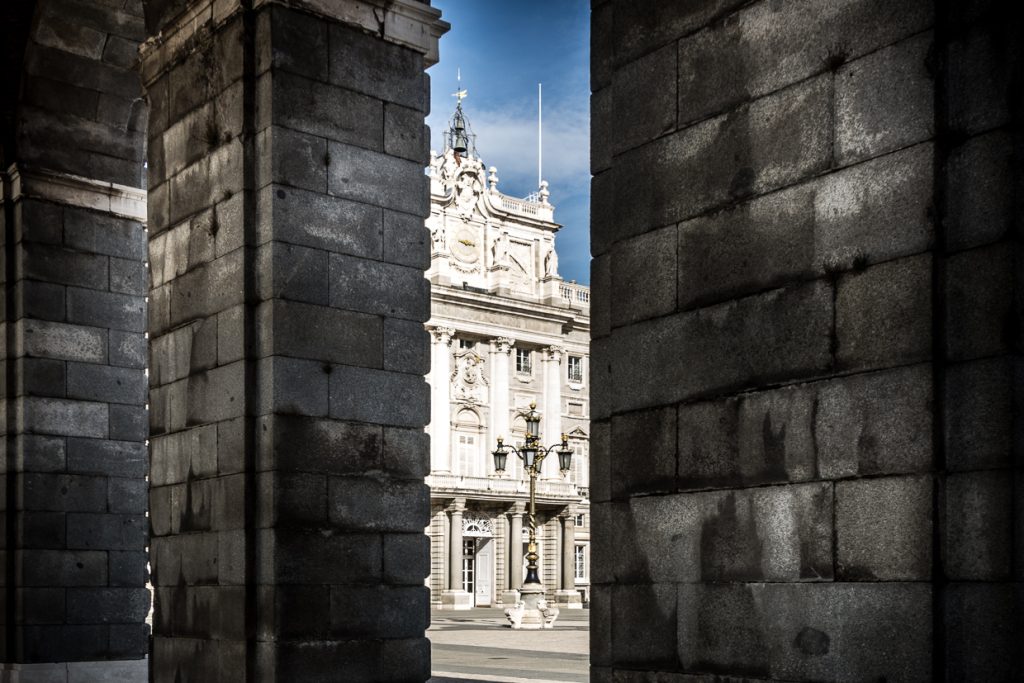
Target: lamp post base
{"points": [[532, 612]]}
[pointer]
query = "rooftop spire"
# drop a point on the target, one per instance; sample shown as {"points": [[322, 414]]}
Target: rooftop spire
{"points": [[459, 137]]}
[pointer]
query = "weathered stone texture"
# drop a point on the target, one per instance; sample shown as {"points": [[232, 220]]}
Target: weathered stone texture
{"points": [[806, 406]]}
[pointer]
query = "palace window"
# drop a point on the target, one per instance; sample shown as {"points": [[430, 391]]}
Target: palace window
{"points": [[524, 362], [580, 519], [575, 368], [466, 343], [467, 455], [581, 562], [575, 409], [578, 474]]}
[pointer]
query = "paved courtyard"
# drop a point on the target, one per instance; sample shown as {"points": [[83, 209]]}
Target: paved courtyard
{"points": [[476, 645]]}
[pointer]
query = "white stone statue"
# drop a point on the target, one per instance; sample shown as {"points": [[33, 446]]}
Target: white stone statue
{"points": [[515, 613], [499, 250], [549, 613], [437, 236], [551, 263]]}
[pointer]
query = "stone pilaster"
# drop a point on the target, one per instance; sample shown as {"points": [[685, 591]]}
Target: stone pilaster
{"points": [[287, 201], [515, 554], [455, 597], [440, 402], [500, 351], [75, 427], [567, 596], [551, 424]]}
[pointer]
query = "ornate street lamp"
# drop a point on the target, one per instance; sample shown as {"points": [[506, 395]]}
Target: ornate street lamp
{"points": [[533, 454]]}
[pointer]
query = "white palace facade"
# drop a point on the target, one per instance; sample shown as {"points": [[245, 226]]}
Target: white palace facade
{"points": [[506, 331]]}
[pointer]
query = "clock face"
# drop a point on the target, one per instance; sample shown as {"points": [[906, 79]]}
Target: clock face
{"points": [[464, 246]]}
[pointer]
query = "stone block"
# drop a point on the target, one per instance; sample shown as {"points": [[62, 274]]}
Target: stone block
{"points": [[355, 286], [406, 453], [294, 612], [96, 232], [602, 50], [379, 397], [877, 423], [312, 557], [883, 314], [319, 221], [63, 568], [366, 64], [41, 377], [978, 534], [293, 386], [763, 534], [644, 626], [774, 142], [875, 211], [127, 568], [208, 289], [885, 100], [747, 248], [39, 453], [377, 179], [107, 457], [602, 127], [215, 395], [231, 335], [979, 72], [884, 529], [982, 314], [983, 635], [783, 334], [325, 111], [291, 41], [63, 266], [40, 300], [406, 559], [88, 531], [292, 498], [361, 504], [292, 158], [42, 605], [127, 277], [107, 605], [811, 631], [641, 26], [66, 643], [406, 347], [287, 271], [128, 349], [643, 274], [64, 342], [306, 444], [979, 414], [406, 240], [979, 191], [405, 135], [399, 612], [320, 333], [600, 300], [764, 47], [64, 493], [127, 495], [643, 93], [42, 530], [128, 422], [106, 383], [130, 641], [106, 309], [650, 438]]}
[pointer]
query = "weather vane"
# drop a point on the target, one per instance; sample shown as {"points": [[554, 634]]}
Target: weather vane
{"points": [[459, 93]]}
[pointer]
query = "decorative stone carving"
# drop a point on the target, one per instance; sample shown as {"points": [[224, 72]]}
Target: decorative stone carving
{"points": [[469, 385], [551, 263], [477, 525], [467, 191], [441, 335], [549, 613], [503, 344], [515, 613]]}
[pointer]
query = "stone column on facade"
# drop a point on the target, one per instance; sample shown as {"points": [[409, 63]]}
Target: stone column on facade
{"points": [[455, 597], [286, 221], [567, 595], [551, 424], [440, 405], [515, 554], [501, 349]]}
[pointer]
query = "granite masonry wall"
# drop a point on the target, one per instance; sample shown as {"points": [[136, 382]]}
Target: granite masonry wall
{"points": [[287, 301], [74, 460], [806, 357]]}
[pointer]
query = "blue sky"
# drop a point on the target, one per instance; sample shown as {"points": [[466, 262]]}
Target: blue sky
{"points": [[504, 49]]}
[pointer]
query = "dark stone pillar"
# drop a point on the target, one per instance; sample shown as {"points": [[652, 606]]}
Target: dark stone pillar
{"points": [[807, 329], [287, 200]]}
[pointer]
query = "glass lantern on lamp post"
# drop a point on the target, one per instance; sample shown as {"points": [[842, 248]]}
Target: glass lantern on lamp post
{"points": [[532, 455]]}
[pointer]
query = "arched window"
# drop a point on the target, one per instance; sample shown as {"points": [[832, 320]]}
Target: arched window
{"points": [[468, 442]]}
